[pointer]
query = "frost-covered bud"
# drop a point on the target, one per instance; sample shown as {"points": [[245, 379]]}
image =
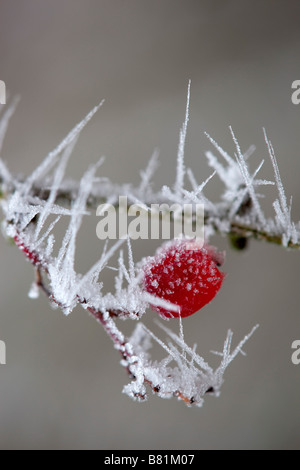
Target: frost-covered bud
{"points": [[188, 278]]}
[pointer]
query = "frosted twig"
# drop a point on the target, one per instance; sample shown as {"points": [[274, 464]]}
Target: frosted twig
{"points": [[33, 209]]}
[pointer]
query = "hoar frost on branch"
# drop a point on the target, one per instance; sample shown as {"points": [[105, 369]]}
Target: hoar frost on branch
{"points": [[29, 203]]}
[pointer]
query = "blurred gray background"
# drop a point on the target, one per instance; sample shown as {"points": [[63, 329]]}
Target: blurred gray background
{"points": [[61, 387]]}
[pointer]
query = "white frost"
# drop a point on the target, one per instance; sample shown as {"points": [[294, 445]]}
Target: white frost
{"points": [[183, 372]]}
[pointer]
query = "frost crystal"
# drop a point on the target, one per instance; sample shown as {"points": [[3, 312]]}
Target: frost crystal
{"points": [[34, 206], [190, 379]]}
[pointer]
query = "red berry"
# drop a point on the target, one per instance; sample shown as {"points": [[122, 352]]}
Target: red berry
{"points": [[186, 277]]}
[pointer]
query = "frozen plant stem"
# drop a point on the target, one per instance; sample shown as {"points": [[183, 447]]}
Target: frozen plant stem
{"points": [[221, 224], [28, 204]]}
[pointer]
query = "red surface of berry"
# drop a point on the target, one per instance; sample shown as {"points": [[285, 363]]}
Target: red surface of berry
{"points": [[188, 278]]}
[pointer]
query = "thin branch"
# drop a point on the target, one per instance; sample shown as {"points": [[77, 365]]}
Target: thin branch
{"points": [[65, 197]]}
